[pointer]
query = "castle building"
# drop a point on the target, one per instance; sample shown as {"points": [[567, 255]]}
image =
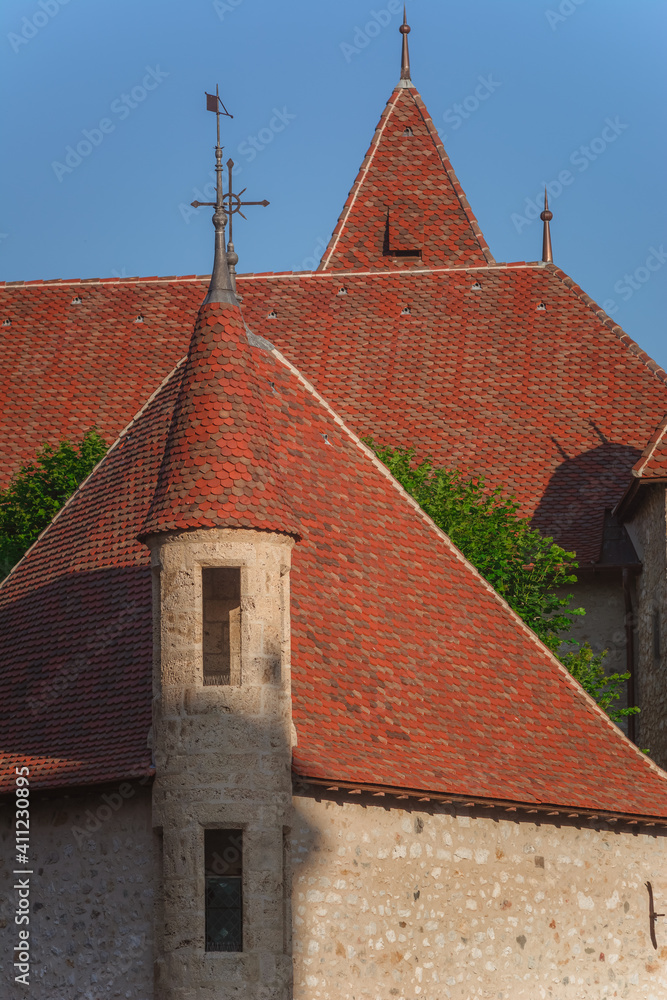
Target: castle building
{"points": [[279, 738]]}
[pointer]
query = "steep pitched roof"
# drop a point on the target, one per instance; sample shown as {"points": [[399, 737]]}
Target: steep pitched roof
{"points": [[554, 403], [406, 207], [218, 469], [407, 669], [84, 353], [653, 461], [75, 675]]}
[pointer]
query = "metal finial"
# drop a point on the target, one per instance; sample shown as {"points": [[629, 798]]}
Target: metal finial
{"points": [[232, 256], [405, 53], [222, 287], [546, 216]]}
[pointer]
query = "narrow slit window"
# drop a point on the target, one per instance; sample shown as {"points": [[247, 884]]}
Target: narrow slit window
{"points": [[221, 631], [223, 865], [287, 894]]}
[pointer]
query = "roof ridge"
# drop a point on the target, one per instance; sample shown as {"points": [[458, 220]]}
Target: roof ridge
{"points": [[461, 558], [254, 275], [611, 325], [114, 280]]}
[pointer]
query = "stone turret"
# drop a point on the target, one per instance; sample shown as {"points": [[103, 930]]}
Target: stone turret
{"points": [[221, 531]]}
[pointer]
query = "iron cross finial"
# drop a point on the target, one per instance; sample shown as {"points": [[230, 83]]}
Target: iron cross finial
{"points": [[223, 277]]}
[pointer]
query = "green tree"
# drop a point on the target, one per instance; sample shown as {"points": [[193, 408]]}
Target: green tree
{"points": [[527, 568], [586, 667], [38, 491]]}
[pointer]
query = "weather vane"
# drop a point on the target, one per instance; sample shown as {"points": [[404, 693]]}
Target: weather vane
{"points": [[233, 201]]}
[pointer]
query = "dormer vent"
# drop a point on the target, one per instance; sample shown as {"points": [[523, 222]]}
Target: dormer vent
{"points": [[476, 287], [541, 307], [76, 301], [273, 314], [406, 311], [404, 235]]}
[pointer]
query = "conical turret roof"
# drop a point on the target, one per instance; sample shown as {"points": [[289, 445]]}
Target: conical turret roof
{"points": [[218, 468]]}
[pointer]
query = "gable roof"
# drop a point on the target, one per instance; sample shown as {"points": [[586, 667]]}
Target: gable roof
{"points": [[554, 404], [406, 199], [505, 370], [650, 468], [653, 461], [407, 668]]}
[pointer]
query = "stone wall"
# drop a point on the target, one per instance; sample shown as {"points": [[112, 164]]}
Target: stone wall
{"points": [[603, 625], [649, 527], [398, 901], [91, 895], [390, 898], [223, 755]]}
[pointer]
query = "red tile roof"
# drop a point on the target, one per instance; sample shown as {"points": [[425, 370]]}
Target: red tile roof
{"points": [[510, 370], [407, 668], [75, 672], [218, 469], [653, 461], [406, 197]]}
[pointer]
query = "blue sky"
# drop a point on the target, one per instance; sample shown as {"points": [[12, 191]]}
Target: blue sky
{"points": [[573, 89]]}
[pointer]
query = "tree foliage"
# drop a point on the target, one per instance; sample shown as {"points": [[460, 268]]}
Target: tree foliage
{"points": [[587, 667], [525, 567], [528, 569], [38, 491]]}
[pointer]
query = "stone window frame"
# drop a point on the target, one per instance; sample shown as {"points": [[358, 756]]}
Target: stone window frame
{"points": [[225, 563], [231, 824]]}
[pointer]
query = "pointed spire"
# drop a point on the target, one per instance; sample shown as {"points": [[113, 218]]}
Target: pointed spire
{"points": [[218, 469], [220, 288], [406, 188], [405, 53], [546, 216]]}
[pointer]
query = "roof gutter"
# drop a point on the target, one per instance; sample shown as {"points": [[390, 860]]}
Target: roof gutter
{"points": [[509, 806], [628, 502]]}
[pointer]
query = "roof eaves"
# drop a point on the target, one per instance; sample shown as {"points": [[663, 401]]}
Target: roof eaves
{"points": [[519, 622], [626, 506], [504, 805]]}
